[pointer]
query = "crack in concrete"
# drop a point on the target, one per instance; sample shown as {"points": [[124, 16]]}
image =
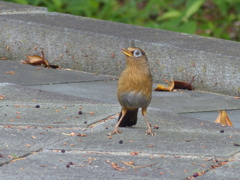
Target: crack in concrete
{"points": [[21, 157]]}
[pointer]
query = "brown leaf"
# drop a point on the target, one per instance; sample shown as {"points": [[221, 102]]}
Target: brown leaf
{"points": [[175, 85], [164, 88], [223, 118], [183, 84], [1, 96], [36, 60], [134, 153], [150, 145], [10, 72]]}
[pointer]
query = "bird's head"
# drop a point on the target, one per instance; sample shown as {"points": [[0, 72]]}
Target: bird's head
{"points": [[135, 53]]}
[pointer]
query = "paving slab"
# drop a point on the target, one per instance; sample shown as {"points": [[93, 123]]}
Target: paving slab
{"points": [[177, 135], [196, 104], [231, 171], [15, 95], [52, 165], [22, 74], [22, 141], [184, 101], [55, 115], [234, 116]]}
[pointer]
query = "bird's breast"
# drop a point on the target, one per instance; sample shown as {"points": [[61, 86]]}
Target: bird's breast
{"points": [[135, 87], [133, 99]]}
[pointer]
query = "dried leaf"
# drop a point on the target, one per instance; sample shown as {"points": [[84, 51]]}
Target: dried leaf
{"points": [[1, 96], [164, 88], [134, 153], [136, 167], [223, 118], [175, 85], [36, 60], [10, 72], [71, 134], [184, 85]]}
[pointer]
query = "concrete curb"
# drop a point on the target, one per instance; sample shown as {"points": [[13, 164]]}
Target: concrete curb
{"points": [[94, 46]]}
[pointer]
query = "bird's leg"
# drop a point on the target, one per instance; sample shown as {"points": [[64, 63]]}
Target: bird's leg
{"points": [[116, 130], [149, 131]]}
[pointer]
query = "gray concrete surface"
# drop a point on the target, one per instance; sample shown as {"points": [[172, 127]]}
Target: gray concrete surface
{"points": [[42, 131], [93, 46], [187, 141]]}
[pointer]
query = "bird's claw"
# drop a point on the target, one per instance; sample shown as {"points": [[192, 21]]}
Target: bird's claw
{"points": [[149, 132], [115, 131]]}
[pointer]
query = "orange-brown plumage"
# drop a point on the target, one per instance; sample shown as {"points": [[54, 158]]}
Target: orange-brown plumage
{"points": [[134, 88]]}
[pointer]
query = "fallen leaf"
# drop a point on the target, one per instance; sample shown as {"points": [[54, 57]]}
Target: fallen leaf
{"points": [[1, 96], [223, 119], [71, 134], [164, 88], [10, 72], [36, 60], [134, 153], [184, 85], [117, 167], [81, 135], [150, 145], [175, 85], [8, 48], [136, 167]]}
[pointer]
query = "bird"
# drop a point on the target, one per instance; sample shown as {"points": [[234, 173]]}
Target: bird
{"points": [[134, 89]]}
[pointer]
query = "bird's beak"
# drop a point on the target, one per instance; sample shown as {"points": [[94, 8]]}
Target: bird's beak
{"points": [[126, 52]]}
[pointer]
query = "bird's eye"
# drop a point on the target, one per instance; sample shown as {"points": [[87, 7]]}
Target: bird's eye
{"points": [[137, 53]]}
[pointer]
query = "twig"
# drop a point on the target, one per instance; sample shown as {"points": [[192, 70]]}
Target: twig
{"points": [[136, 167]]}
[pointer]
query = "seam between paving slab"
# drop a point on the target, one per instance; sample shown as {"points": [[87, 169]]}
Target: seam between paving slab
{"points": [[170, 54]]}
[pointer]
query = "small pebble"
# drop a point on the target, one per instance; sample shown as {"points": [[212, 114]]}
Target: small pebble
{"points": [[71, 163], [85, 122], [37, 106], [68, 165], [79, 112], [121, 141], [63, 150], [222, 131]]}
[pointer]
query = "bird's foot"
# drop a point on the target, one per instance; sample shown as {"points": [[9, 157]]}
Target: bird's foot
{"points": [[149, 132], [115, 131]]}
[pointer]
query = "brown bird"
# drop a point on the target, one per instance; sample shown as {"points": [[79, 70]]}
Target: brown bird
{"points": [[134, 89]]}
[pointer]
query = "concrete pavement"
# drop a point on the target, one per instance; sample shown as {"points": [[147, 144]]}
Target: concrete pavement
{"points": [[54, 122], [42, 130], [92, 45]]}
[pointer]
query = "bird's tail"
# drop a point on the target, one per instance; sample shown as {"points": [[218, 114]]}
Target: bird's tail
{"points": [[129, 119]]}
